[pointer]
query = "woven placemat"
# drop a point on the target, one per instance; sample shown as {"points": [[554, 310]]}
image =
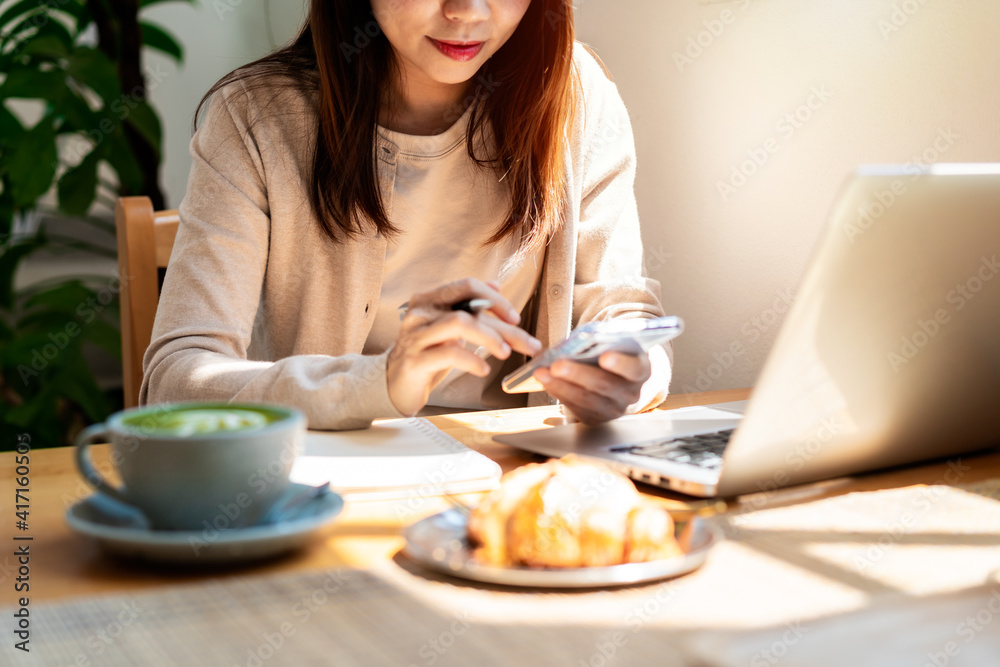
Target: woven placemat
{"points": [[795, 564], [338, 617]]}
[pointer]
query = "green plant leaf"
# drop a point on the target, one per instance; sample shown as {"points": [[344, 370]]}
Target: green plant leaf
{"points": [[10, 126], [16, 10], [35, 84], [42, 322], [145, 120], [93, 69], [78, 186], [51, 39], [79, 12], [26, 350], [40, 413], [106, 336], [27, 25], [31, 164], [118, 154], [10, 257], [77, 384], [63, 298], [76, 114], [156, 37], [44, 45]]}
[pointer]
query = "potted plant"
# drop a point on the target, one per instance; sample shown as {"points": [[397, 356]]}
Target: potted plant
{"points": [[68, 104]]}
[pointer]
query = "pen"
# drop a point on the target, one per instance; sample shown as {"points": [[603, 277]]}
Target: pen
{"points": [[473, 306]]}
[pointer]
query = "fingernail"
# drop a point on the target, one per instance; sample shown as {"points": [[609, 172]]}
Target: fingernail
{"points": [[505, 348], [535, 344], [514, 316], [542, 375]]}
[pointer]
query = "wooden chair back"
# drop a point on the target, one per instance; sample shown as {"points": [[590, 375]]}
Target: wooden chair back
{"points": [[145, 240]]}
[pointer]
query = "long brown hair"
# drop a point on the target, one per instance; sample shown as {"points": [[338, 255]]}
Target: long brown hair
{"points": [[524, 95]]}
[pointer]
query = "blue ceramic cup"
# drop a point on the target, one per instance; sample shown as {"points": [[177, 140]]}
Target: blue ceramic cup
{"points": [[192, 466]]}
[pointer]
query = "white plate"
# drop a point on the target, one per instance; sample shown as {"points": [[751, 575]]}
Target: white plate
{"points": [[440, 543], [124, 530]]}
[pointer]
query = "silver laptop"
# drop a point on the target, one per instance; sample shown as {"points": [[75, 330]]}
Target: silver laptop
{"points": [[889, 355]]}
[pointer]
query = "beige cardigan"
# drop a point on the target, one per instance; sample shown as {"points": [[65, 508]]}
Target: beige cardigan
{"points": [[259, 305]]}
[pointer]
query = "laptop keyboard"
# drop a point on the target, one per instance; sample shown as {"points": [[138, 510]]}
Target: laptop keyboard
{"points": [[704, 451]]}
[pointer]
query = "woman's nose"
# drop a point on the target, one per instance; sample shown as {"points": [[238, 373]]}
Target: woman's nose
{"points": [[466, 10]]}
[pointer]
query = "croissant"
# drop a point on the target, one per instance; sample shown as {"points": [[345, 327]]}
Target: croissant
{"points": [[569, 513]]}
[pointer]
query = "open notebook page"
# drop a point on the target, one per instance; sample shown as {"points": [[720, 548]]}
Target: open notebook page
{"points": [[393, 459]]}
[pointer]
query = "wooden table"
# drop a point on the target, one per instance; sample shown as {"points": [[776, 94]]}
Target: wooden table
{"points": [[65, 566]]}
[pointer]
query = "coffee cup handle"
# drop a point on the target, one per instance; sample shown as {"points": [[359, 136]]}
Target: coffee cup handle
{"points": [[85, 439]]}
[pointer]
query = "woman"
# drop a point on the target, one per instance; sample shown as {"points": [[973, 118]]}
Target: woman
{"points": [[407, 154]]}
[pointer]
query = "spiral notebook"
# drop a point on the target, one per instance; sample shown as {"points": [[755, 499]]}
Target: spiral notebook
{"points": [[394, 459]]}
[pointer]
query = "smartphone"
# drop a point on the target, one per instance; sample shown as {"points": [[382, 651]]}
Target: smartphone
{"points": [[589, 341]]}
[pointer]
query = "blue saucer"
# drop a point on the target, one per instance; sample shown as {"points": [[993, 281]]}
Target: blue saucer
{"points": [[124, 530]]}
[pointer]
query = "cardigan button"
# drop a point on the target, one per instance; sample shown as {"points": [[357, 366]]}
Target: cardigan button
{"points": [[556, 291]]}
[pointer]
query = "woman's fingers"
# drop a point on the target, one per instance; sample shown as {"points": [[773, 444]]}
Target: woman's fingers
{"points": [[430, 361], [426, 327], [456, 326], [432, 340], [588, 406], [443, 297], [633, 367], [597, 394], [518, 339], [413, 372], [605, 381]]}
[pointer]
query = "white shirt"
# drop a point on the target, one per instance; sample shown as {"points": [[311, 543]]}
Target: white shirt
{"points": [[446, 207]]}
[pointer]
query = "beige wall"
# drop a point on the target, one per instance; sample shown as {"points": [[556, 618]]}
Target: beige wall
{"points": [[728, 261], [888, 81]]}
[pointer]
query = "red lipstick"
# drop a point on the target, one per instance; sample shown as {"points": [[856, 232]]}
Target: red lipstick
{"points": [[460, 51]]}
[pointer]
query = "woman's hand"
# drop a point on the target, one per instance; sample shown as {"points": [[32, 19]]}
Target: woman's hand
{"points": [[432, 340], [597, 394]]}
